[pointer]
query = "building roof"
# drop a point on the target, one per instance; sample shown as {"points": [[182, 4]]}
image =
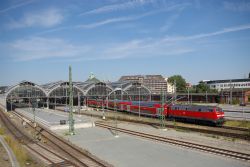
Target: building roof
{"points": [[228, 81]]}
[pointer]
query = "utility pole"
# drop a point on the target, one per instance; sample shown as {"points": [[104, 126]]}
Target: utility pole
{"points": [[71, 119], [174, 91], [206, 96], [11, 103], [55, 100], [79, 105], [161, 116], [139, 102], [231, 92], [115, 106], [66, 95], [243, 102]]}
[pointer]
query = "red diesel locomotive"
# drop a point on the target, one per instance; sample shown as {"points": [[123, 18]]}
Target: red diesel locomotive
{"points": [[194, 113]]}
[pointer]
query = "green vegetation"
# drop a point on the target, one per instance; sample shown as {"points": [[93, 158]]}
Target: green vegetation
{"points": [[235, 101], [180, 82], [234, 123], [19, 151], [202, 88], [2, 132]]}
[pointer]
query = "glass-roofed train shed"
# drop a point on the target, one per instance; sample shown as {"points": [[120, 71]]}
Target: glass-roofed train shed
{"points": [[55, 94]]}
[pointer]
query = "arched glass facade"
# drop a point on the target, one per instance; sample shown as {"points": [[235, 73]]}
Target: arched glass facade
{"points": [[57, 94]]}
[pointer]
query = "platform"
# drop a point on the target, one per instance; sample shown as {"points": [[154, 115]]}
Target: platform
{"points": [[132, 151], [51, 118]]}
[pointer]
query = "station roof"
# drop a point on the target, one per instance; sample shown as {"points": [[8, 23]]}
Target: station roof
{"points": [[83, 87]]}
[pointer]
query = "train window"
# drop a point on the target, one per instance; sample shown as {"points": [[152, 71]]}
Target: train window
{"points": [[210, 110], [199, 109], [186, 108]]}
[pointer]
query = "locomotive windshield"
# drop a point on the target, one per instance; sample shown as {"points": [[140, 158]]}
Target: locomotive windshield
{"points": [[218, 109]]}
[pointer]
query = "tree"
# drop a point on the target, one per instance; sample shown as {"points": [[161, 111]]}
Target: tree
{"points": [[180, 82], [203, 88]]}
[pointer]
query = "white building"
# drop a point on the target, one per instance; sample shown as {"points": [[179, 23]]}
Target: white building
{"points": [[229, 84], [170, 86]]}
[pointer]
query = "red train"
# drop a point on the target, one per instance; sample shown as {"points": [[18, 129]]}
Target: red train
{"points": [[194, 113]]}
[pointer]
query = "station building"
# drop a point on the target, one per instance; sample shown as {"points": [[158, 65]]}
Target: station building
{"points": [[237, 90], [54, 94]]}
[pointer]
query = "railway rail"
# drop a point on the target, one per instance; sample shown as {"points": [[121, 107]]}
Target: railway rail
{"points": [[80, 157], [53, 159], [204, 148], [221, 127], [227, 131], [76, 156]]}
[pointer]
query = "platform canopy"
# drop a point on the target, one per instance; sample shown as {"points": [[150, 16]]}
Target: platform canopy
{"points": [[57, 93], [25, 89], [60, 89], [131, 91]]}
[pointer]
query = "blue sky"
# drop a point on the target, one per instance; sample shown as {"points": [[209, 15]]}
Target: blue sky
{"points": [[199, 40]]}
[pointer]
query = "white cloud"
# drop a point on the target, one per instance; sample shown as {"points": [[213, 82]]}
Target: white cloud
{"points": [[42, 48], [14, 6], [46, 48], [124, 19], [170, 22], [44, 18], [115, 7], [38, 48], [205, 35], [104, 22], [237, 6]]}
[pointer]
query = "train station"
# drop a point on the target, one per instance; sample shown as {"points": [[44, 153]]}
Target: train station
{"points": [[54, 94], [121, 124], [124, 83]]}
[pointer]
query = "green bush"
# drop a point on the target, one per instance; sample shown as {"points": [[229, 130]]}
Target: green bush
{"points": [[235, 101]]}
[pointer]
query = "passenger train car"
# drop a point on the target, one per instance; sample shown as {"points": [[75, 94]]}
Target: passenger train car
{"points": [[192, 113]]}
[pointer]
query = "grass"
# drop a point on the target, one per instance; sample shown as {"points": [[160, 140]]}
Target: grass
{"points": [[19, 151], [2, 132], [236, 123]]}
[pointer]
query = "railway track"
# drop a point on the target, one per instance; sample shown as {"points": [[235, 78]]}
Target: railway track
{"points": [[236, 128], [50, 158], [79, 157], [204, 148], [227, 131]]}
